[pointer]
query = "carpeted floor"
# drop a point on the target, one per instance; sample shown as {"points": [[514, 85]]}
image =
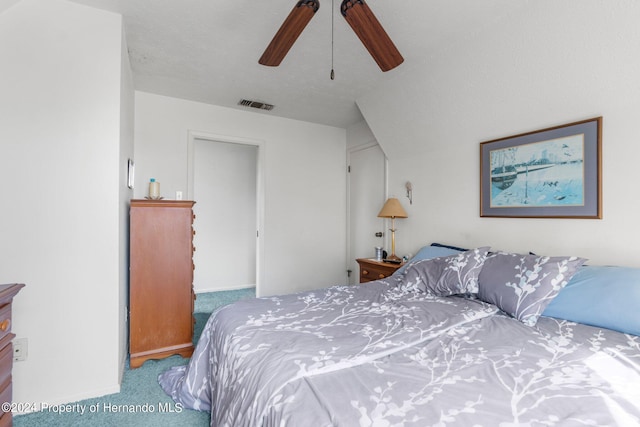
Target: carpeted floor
{"points": [[141, 401]]}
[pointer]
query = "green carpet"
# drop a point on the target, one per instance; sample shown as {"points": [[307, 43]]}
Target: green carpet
{"points": [[141, 401]]}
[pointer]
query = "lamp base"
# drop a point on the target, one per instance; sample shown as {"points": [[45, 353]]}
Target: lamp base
{"points": [[393, 258]]}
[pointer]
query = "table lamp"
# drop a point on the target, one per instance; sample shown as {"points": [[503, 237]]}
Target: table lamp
{"points": [[392, 209]]}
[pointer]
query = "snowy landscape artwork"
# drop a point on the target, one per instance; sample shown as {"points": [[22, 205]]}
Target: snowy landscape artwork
{"points": [[549, 173]]}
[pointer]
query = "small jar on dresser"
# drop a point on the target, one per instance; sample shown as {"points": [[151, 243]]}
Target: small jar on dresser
{"points": [[370, 269], [7, 292]]}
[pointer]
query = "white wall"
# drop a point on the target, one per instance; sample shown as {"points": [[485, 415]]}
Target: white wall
{"points": [[61, 220], [552, 63], [6, 4], [304, 183], [359, 134], [127, 110]]}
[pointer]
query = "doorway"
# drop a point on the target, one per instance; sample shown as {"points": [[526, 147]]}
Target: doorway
{"points": [[225, 182], [367, 180]]}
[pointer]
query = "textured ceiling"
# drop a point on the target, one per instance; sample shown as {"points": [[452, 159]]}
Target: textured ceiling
{"points": [[208, 50]]}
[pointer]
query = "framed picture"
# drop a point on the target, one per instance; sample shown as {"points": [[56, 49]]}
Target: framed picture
{"points": [[548, 173]]}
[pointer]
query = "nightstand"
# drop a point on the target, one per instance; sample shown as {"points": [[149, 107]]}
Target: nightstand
{"points": [[371, 269]]}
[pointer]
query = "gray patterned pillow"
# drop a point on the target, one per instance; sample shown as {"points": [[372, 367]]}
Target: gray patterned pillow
{"points": [[523, 285], [449, 275]]}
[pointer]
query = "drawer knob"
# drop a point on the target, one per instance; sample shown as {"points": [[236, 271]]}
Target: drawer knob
{"points": [[365, 272], [4, 326], [381, 276]]}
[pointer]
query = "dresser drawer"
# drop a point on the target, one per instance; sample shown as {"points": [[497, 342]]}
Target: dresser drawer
{"points": [[7, 292], [6, 363], [371, 273], [375, 270], [5, 320], [5, 396]]}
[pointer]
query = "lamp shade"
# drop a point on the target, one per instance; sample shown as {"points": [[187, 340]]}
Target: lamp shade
{"points": [[392, 209]]}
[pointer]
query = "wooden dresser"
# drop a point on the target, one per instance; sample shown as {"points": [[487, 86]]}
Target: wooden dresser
{"points": [[161, 280], [371, 269], [7, 292]]}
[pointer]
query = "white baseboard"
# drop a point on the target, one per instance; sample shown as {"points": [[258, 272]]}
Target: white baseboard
{"points": [[226, 288], [71, 399]]}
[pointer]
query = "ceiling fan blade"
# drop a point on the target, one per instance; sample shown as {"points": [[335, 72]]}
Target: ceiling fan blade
{"points": [[288, 33], [370, 32]]}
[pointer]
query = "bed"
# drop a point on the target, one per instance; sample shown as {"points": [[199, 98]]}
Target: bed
{"points": [[454, 338]]}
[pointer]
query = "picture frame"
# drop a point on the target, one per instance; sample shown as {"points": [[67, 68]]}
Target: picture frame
{"points": [[549, 173]]}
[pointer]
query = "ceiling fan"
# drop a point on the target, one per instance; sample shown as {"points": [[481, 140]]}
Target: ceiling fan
{"points": [[358, 15]]}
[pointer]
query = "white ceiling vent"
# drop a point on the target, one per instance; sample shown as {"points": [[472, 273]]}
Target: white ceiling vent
{"points": [[255, 104]]}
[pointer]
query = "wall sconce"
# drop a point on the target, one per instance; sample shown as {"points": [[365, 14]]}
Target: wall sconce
{"points": [[409, 192]]}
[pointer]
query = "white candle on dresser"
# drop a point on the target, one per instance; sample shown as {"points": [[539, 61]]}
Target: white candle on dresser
{"points": [[154, 189]]}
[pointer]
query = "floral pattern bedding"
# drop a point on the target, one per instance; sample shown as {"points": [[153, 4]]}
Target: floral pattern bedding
{"points": [[385, 355]]}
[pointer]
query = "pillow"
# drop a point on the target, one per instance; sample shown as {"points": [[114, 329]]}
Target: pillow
{"points": [[444, 276], [428, 252], [607, 297], [523, 285]]}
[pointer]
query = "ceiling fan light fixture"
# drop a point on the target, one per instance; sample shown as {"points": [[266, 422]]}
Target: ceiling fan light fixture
{"points": [[289, 32], [371, 33]]}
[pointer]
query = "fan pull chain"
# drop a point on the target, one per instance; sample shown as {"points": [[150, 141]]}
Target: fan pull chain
{"points": [[333, 74]]}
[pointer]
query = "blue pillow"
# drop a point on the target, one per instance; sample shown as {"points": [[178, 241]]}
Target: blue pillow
{"points": [[429, 252], [607, 297]]}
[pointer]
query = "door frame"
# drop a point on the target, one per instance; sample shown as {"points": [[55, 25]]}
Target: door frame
{"points": [[350, 151], [260, 176]]}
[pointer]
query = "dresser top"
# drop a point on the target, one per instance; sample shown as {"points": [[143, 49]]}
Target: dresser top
{"points": [[9, 291], [162, 203]]}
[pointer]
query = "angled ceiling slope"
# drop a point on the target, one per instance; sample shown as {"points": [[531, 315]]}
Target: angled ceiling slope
{"points": [[208, 52]]}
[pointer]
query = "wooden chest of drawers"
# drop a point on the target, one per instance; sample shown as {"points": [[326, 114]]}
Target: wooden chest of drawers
{"points": [[161, 280], [7, 292], [375, 270]]}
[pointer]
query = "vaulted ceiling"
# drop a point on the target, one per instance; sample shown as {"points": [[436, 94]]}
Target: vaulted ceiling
{"points": [[208, 50]]}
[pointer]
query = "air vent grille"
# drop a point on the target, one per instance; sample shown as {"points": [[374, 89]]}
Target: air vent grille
{"points": [[255, 104]]}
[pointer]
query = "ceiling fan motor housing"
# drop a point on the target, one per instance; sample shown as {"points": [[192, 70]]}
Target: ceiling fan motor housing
{"points": [[313, 4], [348, 4]]}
